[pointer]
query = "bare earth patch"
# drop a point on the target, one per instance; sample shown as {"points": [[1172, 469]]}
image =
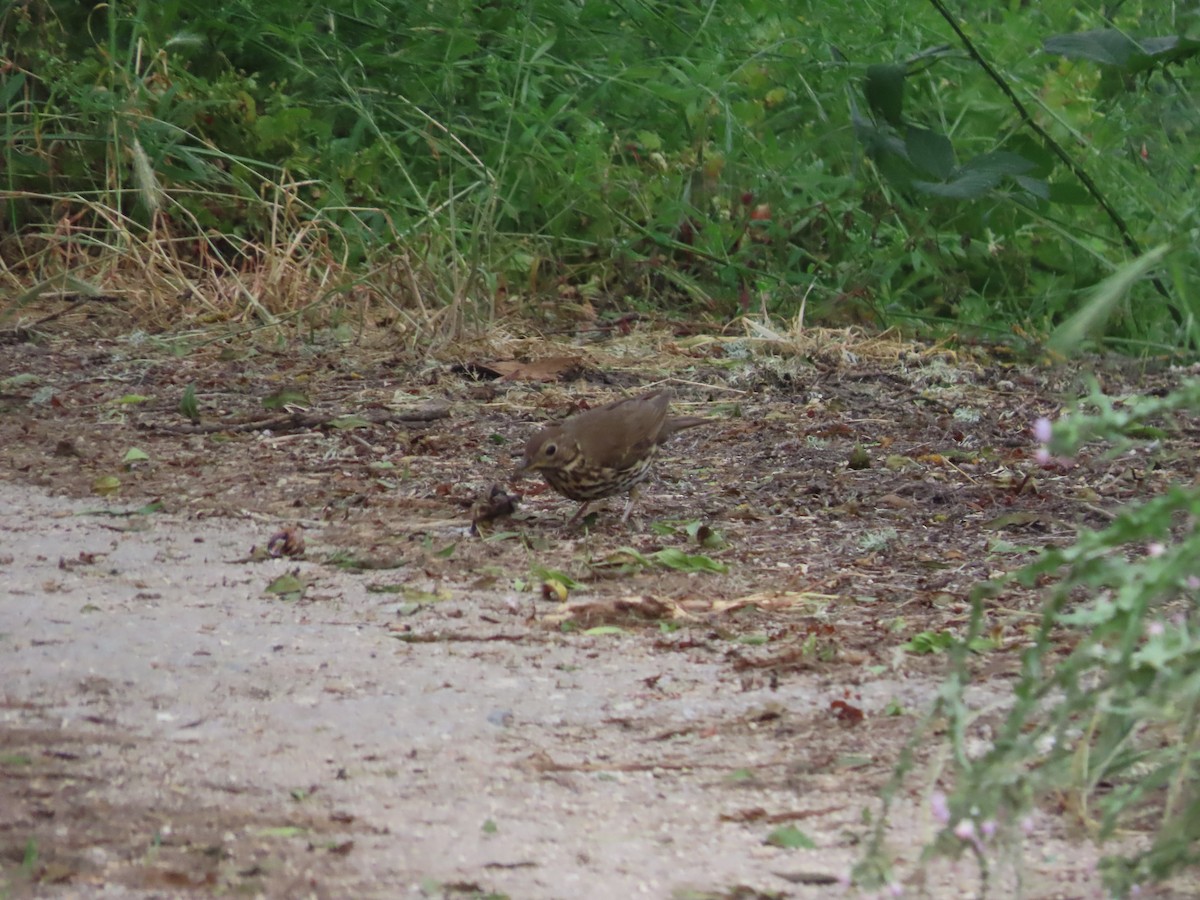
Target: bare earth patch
{"points": [[423, 716]]}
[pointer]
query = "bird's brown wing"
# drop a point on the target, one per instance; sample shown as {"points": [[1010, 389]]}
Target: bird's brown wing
{"points": [[616, 434]]}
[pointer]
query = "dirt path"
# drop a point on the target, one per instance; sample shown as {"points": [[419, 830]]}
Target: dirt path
{"points": [[439, 728], [166, 727]]}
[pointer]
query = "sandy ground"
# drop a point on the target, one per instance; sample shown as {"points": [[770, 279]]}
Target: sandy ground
{"points": [[168, 728]]}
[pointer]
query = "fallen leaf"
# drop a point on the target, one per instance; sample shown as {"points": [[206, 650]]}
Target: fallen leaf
{"points": [[548, 368]]}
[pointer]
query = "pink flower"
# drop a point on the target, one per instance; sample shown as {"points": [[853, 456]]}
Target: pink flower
{"points": [[939, 807], [1042, 430]]}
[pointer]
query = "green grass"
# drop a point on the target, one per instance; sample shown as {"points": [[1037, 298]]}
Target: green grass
{"points": [[902, 164]]}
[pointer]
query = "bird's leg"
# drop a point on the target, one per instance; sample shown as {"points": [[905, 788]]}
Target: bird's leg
{"points": [[579, 512], [633, 495]]}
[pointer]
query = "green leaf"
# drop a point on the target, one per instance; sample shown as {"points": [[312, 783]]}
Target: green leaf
{"points": [[14, 83], [1068, 336], [541, 573], [1104, 45], [929, 642], [347, 422], [1159, 654], [705, 535], [280, 831], [967, 186], [552, 589], [377, 588], [1110, 47], [673, 558], [134, 455], [1069, 192], [1036, 186], [623, 561], [188, 406], [1000, 162], [132, 399], [604, 629], [930, 152], [289, 586], [419, 595], [285, 398], [790, 838], [20, 380], [106, 485], [650, 141], [503, 536], [884, 90], [978, 176]]}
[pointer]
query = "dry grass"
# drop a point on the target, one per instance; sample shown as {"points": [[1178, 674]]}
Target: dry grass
{"points": [[111, 270]]}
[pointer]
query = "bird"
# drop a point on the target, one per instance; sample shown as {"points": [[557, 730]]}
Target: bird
{"points": [[604, 451]]}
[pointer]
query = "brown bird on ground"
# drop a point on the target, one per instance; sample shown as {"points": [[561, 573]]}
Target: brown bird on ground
{"points": [[604, 451]]}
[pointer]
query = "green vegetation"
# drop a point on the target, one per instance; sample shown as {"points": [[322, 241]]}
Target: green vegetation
{"points": [[891, 164], [1105, 712]]}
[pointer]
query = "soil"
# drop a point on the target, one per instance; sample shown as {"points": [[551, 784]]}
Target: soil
{"points": [[268, 653]]}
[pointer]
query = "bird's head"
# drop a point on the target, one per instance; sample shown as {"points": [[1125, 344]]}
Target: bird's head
{"points": [[550, 448]]}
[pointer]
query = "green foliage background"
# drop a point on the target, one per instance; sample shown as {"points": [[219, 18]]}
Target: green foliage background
{"points": [[726, 155]]}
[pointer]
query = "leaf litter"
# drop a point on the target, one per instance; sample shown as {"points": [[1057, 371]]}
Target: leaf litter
{"points": [[779, 613]]}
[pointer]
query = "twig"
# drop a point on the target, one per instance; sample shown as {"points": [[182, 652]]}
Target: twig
{"points": [[299, 421]]}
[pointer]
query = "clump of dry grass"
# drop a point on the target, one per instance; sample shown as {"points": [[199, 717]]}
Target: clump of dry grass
{"points": [[98, 266]]}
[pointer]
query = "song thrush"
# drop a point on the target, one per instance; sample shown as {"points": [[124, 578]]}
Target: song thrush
{"points": [[604, 451]]}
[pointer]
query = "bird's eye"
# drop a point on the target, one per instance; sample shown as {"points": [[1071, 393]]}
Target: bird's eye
{"points": [[550, 449]]}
